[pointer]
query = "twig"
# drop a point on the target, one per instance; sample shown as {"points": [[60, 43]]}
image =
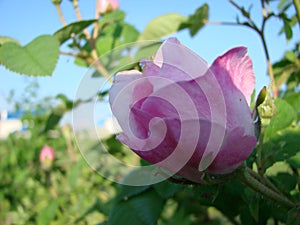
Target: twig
{"points": [[260, 32], [60, 14], [79, 17], [297, 8]]}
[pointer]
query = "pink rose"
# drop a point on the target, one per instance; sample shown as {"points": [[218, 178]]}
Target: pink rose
{"points": [[106, 6], [47, 157], [184, 115]]}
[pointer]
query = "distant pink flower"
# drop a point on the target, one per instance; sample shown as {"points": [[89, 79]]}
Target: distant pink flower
{"points": [[184, 115], [47, 156], [106, 6]]}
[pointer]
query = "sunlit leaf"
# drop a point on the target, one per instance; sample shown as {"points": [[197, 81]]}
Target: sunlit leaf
{"points": [[288, 30], [162, 26], [197, 20], [4, 39], [65, 33], [38, 58], [284, 116]]}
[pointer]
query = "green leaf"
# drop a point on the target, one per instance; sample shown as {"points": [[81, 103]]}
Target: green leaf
{"points": [[284, 116], [143, 209], [293, 217], [281, 146], [48, 213], [287, 29], [127, 192], [291, 56], [162, 26], [38, 58], [111, 18], [167, 189], [293, 98], [197, 20], [147, 51], [65, 33], [295, 161], [4, 39], [285, 182], [129, 33]]}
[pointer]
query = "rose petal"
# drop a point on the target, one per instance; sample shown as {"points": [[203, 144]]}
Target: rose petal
{"points": [[172, 54], [237, 107], [236, 148], [128, 87], [237, 64]]}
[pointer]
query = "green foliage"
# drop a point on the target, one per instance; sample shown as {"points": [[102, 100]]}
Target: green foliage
{"points": [[197, 20], [72, 193], [287, 70], [75, 28], [38, 58], [4, 39], [143, 209], [162, 26]]}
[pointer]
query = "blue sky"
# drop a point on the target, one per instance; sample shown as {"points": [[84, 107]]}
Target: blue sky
{"points": [[25, 20]]}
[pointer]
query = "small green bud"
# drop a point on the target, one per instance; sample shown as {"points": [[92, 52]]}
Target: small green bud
{"points": [[56, 2], [266, 109]]}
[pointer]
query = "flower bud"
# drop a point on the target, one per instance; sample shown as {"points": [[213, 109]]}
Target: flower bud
{"points": [[47, 157], [266, 109], [106, 6], [56, 2]]}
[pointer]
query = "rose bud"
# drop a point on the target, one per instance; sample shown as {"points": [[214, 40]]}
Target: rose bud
{"points": [[185, 116], [47, 157], [106, 6]]}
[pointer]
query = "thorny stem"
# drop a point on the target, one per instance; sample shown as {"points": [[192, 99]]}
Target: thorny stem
{"points": [[60, 14], [244, 175], [260, 32], [263, 179]]}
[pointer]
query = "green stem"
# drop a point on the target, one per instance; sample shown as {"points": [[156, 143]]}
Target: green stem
{"points": [[257, 186], [259, 150], [60, 14], [297, 7], [263, 179]]}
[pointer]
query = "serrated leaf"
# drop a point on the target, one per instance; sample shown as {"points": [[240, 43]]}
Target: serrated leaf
{"points": [[143, 209], [38, 58], [281, 146], [162, 26], [65, 33], [4, 39], [167, 189], [197, 20], [284, 116]]}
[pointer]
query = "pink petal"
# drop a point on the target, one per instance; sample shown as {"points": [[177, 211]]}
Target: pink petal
{"points": [[172, 54], [236, 148], [125, 91], [237, 64]]}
